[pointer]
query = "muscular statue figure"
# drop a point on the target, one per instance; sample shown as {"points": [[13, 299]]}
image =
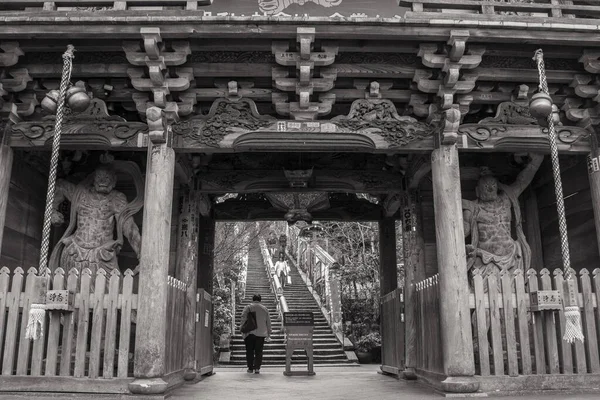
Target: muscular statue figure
{"points": [[96, 210], [488, 221]]}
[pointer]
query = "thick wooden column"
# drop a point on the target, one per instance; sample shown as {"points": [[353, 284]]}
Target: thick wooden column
{"points": [[186, 271], [6, 163], [388, 270], [206, 239], [532, 229], [149, 365], [594, 176], [455, 318], [414, 262]]}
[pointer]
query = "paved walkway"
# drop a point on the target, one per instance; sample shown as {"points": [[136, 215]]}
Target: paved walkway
{"points": [[330, 383]]}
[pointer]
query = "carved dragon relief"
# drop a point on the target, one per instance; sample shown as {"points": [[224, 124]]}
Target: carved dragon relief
{"points": [[92, 126], [513, 126], [379, 116], [225, 116]]}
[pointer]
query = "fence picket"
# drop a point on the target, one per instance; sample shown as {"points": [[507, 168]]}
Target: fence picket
{"points": [[537, 326], [588, 322], [25, 344], [495, 326], [83, 318], [4, 281], [509, 323], [10, 343], [37, 353], [69, 326], [481, 318], [522, 318], [97, 323], [596, 279], [566, 349], [550, 328], [110, 335], [124, 338], [54, 327]]}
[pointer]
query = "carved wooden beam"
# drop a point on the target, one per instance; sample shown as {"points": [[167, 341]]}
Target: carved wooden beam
{"points": [[260, 181]]}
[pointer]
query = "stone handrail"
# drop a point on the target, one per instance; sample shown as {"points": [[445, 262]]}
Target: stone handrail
{"points": [[282, 306]]}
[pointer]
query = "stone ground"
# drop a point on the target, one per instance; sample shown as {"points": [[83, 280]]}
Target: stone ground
{"points": [[329, 383]]}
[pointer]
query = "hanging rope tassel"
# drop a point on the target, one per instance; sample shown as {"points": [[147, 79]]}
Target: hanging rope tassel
{"points": [[37, 312], [35, 323], [573, 330]]}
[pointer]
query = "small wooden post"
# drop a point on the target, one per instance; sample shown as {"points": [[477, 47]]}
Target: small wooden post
{"points": [[186, 270], [388, 271], [6, 163], [455, 316], [414, 260], [150, 341]]}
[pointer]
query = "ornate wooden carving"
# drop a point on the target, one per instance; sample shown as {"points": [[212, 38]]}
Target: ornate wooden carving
{"points": [[379, 116], [305, 83], [93, 127], [225, 116], [10, 54]]}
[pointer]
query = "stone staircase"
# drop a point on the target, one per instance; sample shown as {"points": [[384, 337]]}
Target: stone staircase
{"points": [[327, 349]]}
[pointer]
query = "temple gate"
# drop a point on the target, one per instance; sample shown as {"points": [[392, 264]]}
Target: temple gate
{"points": [[182, 113]]}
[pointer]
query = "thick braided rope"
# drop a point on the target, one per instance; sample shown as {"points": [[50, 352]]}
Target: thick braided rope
{"points": [[573, 330], [560, 204], [64, 85]]}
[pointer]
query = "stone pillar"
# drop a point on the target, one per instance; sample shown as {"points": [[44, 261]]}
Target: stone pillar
{"points": [[206, 239], [6, 163], [149, 365], [455, 318], [186, 271], [414, 261], [388, 270]]}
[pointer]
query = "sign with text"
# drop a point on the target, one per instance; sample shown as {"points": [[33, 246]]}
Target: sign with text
{"points": [[298, 318], [313, 8]]}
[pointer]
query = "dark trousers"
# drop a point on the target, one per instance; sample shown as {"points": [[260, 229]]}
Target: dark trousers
{"points": [[254, 351], [282, 279]]}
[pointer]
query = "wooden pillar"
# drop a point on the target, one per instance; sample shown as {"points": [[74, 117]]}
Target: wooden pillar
{"points": [[532, 229], [455, 317], [414, 263], [186, 271], [594, 176], [149, 364], [388, 270], [206, 239], [6, 163]]}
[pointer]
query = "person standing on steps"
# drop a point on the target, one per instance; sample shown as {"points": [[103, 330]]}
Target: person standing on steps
{"points": [[282, 270], [255, 339]]}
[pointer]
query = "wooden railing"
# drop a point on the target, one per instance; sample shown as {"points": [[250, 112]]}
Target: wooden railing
{"points": [[100, 5], [427, 322], [175, 352], [577, 9], [103, 317], [511, 340], [392, 332]]}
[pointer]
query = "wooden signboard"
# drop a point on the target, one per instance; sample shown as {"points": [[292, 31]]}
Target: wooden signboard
{"points": [[299, 327]]}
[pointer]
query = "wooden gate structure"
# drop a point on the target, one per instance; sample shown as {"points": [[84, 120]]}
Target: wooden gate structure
{"points": [[239, 111]]}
